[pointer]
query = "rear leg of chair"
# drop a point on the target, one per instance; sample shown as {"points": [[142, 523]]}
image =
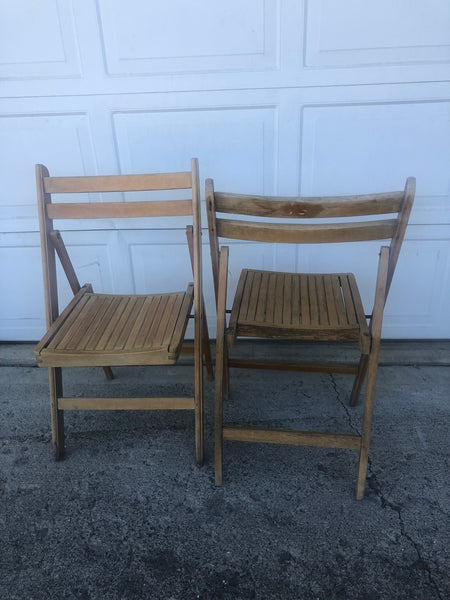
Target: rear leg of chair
{"points": [[207, 347], [226, 374], [108, 373], [199, 427], [218, 412], [198, 397], [57, 416], [369, 398], [221, 386], [359, 380]]}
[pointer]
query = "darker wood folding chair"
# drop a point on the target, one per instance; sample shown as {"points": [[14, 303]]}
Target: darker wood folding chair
{"points": [[303, 306], [109, 330]]}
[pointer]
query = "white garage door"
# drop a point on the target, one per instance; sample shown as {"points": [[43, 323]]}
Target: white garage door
{"points": [[273, 96]]}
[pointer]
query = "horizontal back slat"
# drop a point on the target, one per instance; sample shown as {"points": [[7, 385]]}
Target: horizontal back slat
{"points": [[309, 207], [118, 183], [306, 234], [110, 210]]}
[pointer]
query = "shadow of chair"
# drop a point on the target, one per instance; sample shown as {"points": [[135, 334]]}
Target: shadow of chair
{"points": [[303, 306], [108, 330]]}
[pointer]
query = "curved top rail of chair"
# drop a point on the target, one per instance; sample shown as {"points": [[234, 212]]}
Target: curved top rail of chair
{"points": [[310, 207]]}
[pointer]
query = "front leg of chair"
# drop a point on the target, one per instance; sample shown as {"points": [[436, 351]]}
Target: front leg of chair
{"points": [[369, 396], [57, 416], [108, 373], [207, 346], [198, 383], [218, 413], [369, 399], [226, 373], [359, 380], [220, 364]]}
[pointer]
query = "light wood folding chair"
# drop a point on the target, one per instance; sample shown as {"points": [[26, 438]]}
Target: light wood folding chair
{"points": [[301, 306], [109, 330]]}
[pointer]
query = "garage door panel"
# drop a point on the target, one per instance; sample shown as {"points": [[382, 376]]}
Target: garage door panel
{"points": [[350, 148], [61, 141], [37, 39], [422, 277], [357, 148], [198, 36], [288, 97], [235, 146], [378, 32]]}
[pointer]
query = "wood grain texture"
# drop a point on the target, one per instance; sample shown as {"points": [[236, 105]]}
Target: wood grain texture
{"points": [[120, 210], [297, 306], [99, 329], [306, 234], [117, 183], [308, 207], [287, 436], [305, 306], [103, 403], [110, 329]]}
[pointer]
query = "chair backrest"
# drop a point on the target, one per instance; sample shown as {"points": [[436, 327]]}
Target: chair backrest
{"points": [[48, 211], [395, 206]]}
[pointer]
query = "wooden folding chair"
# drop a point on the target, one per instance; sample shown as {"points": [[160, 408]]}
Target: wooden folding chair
{"points": [[108, 329], [303, 306]]}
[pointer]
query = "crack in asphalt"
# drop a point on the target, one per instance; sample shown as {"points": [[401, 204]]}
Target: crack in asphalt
{"points": [[375, 486]]}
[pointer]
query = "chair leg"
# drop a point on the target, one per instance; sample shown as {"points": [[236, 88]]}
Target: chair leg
{"points": [[57, 416], [218, 412], [198, 399], [226, 374], [207, 347], [221, 387], [369, 398], [359, 380], [108, 373]]}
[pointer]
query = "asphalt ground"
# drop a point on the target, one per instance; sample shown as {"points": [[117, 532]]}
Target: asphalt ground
{"points": [[128, 515]]}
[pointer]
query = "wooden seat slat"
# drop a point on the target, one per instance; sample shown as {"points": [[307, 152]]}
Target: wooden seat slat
{"points": [[262, 299], [270, 300], [120, 303], [108, 326], [304, 301], [295, 301], [78, 328], [279, 300], [349, 307], [67, 320], [102, 303], [182, 321], [321, 301], [126, 325], [287, 299], [103, 318], [165, 321], [330, 300], [151, 303], [313, 301], [338, 300]]}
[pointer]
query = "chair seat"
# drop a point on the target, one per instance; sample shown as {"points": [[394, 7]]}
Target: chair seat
{"points": [[298, 306], [104, 329]]}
